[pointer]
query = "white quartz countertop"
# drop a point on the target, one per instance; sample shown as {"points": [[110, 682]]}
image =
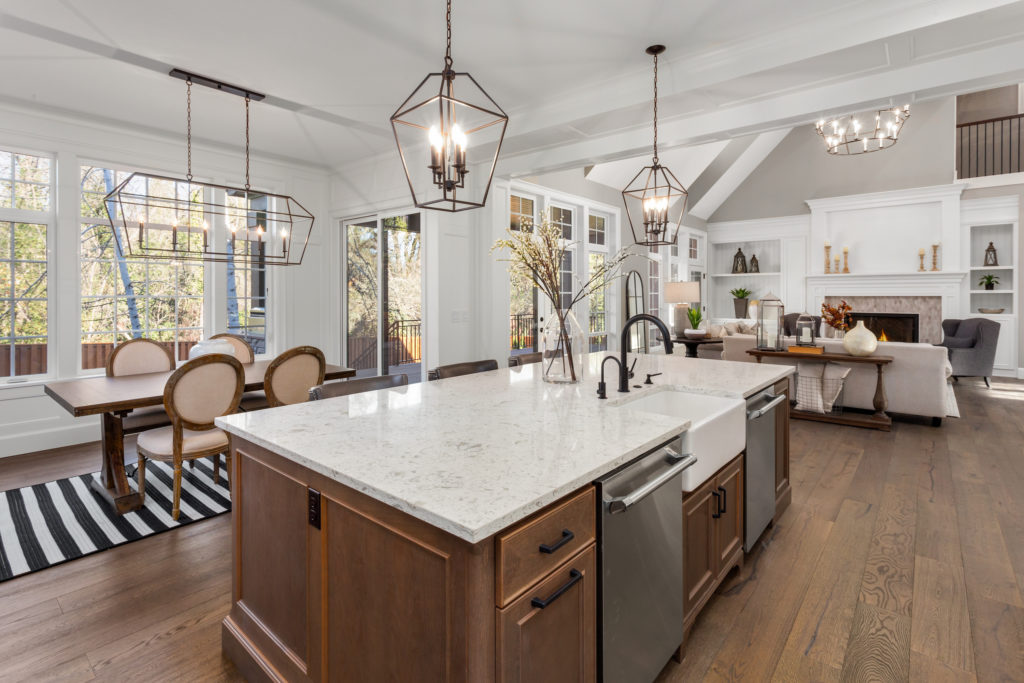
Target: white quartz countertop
{"points": [[475, 454]]}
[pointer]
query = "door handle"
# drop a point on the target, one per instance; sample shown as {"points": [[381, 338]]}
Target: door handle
{"points": [[544, 602], [763, 410], [566, 537], [718, 505], [725, 499], [623, 503]]}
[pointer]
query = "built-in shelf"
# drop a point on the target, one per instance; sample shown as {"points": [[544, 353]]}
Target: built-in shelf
{"points": [[991, 291], [992, 267], [744, 274]]}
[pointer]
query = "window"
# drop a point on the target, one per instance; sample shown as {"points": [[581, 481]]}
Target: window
{"points": [[246, 299], [596, 232], [124, 297], [694, 249], [598, 327], [565, 279], [521, 212], [522, 293], [25, 212], [563, 218], [654, 295]]}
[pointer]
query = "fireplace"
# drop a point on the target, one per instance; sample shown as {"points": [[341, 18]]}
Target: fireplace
{"points": [[894, 327]]}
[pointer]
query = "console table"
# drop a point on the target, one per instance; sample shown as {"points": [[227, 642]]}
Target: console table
{"points": [[879, 420]]}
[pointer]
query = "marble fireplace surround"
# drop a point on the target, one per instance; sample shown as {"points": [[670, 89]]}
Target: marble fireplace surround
{"points": [[933, 296]]}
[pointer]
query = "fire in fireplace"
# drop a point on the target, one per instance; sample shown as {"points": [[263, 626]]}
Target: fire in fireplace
{"points": [[895, 327]]}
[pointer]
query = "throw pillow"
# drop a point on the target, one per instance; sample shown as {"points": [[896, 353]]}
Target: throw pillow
{"points": [[958, 342], [732, 328], [717, 331], [808, 387], [832, 380], [748, 329]]}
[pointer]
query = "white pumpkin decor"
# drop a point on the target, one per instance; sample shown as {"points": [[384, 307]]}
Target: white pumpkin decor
{"points": [[206, 346], [860, 341]]}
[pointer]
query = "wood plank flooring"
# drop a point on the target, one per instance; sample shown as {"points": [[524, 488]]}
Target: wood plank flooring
{"points": [[901, 559]]}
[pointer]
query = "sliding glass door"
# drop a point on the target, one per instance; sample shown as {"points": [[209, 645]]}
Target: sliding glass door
{"points": [[384, 296]]}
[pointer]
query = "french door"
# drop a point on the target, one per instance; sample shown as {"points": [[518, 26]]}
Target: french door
{"points": [[384, 295]]}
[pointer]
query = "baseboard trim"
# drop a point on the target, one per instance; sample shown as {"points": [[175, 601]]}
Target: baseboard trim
{"points": [[1020, 373], [43, 439]]}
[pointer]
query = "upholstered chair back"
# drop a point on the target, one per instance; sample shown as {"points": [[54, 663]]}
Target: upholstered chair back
{"points": [[524, 359], [468, 368], [357, 386], [203, 389], [291, 375], [139, 356], [243, 349]]}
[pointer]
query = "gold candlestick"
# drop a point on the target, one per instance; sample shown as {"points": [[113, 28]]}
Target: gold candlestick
{"points": [[828, 261], [935, 257], [920, 256], [846, 261], [837, 263]]}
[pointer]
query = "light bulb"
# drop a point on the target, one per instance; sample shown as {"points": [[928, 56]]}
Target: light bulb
{"points": [[436, 141], [458, 136]]}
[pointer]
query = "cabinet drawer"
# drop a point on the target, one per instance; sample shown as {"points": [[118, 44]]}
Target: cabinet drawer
{"points": [[529, 551]]}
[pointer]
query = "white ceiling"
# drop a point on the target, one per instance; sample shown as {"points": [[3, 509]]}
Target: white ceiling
{"points": [[571, 74]]}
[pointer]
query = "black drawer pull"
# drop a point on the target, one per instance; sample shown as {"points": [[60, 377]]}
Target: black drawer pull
{"points": [[718, 505], [576, 576], [566, 537], [724, 499]]}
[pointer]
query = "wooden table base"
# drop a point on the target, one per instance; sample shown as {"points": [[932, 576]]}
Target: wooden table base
{"points": [[113, 484]]}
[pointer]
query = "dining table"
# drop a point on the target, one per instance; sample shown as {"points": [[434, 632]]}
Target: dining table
{"points": [[114, 398]]}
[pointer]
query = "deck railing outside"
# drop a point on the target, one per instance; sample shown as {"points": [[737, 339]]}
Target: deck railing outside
{"points": [[990, 147]]}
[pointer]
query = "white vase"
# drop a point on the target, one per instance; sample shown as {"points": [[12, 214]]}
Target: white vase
{"points": [[562, 345], [860, 341], [206, 346]]}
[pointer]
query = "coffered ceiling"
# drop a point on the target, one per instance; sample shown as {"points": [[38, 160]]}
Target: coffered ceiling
{"points": [[571, 74]]}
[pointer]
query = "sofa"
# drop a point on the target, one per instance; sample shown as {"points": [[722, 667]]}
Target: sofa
{"points": [[917, 382], [971, 345]]}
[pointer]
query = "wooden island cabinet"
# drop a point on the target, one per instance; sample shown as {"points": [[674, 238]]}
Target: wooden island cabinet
{"points": [[332, 585]]}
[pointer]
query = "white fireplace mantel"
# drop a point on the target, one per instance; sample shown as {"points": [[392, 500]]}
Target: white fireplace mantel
{"points": [[945, 284]]}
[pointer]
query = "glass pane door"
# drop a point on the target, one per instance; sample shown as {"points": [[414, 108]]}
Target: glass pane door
{"points": [[384, 320]]}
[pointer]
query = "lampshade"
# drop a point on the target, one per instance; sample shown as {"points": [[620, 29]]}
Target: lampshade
{"points": [[682, 292]]}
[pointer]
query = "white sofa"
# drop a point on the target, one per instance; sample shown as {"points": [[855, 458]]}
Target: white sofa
{"points": [[917, 382]]}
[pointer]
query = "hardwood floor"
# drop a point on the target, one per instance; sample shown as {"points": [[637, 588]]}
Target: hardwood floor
{"points": [[901, 558]]}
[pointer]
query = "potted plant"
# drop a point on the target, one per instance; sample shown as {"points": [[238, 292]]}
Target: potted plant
{"points": [[537, 254], [696, 318], [989, 281], [836, 318], [740, 298]]}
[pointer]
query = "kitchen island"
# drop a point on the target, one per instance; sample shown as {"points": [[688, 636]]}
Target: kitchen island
{"points": [[394, 535]]}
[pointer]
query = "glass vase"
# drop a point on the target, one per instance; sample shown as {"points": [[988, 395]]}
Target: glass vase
{"points": [[563, 345]]}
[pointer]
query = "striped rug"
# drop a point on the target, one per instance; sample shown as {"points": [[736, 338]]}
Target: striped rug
{"points": [[62, 520]]}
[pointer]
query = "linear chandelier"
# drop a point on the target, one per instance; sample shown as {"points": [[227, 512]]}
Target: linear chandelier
{"points": [[433, 129], [182, 219], [654, 189], [847, 135]]}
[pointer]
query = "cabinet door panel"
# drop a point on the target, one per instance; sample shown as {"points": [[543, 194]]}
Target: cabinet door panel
{"points": [[783, 492], [700, 564], [556, 643], [729, 525]]}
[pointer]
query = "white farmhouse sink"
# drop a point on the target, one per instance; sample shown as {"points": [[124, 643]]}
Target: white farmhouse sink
{"points": [[718, 428]]}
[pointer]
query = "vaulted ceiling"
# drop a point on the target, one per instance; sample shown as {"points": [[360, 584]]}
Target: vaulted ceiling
{"points": [[571, 74]]}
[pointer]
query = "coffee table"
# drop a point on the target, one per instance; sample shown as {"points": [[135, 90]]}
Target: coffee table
{"points": [[692, 343]]}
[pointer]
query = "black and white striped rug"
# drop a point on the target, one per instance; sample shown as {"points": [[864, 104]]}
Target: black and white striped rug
{"points": [[62, 520]]}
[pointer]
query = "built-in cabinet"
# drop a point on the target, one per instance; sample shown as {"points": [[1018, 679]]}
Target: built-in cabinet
{"points": [[712, 536]]}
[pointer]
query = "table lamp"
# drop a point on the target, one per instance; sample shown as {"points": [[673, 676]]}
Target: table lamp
{"points": [[682, 294]]}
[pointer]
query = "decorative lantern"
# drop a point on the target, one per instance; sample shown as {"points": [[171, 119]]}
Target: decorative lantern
{"points": [[990, 255], [805, 332], [770, 324]]}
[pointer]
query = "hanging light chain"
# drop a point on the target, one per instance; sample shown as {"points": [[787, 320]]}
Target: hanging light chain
{"points": [[188, 117], [247, 185], [655, 109], [448, 48]]}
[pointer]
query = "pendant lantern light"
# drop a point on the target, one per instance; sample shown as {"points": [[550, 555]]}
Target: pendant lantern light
{"points": [[448, 123], [182, 219], [655, 190]]}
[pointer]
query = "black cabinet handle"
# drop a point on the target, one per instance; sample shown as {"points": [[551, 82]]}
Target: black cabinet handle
{"points": [[576, 576], [566, 537], [725, 498], [718, 505]]}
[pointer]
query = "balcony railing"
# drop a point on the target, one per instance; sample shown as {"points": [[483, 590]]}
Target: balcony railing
{"points": [[522, 331], [990, 147], [403, 345]]}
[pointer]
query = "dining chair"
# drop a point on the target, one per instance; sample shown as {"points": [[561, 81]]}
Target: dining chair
{"points": [[357, 386], [291, 375], [199, 391], [135, 357], [243, 349], [524, 359], [467, 368]]}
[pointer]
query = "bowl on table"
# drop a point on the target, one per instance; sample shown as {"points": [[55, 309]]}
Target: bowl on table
{"points": [[991, 311], [695, 334]]}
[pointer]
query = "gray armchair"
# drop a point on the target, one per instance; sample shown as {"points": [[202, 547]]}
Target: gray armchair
{"points": [[971, 345]]}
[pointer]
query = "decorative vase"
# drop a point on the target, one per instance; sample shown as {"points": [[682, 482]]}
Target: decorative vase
{"points": [[860, 341], [206, 346], [562, 345], [740, 307], [695, 333]]}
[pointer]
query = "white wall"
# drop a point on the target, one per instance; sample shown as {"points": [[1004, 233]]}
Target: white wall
{"points": [[31, 421]]}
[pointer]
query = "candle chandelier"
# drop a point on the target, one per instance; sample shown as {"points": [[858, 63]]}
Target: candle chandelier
{"points": [[655, 189], [183, 219], [862, 134], [434, 128]]}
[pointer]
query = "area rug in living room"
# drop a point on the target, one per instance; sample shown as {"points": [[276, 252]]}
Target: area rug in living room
{"points": [[59, 521]]}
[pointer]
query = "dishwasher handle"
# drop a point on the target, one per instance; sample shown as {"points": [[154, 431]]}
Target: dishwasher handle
{"points": [[765, 409], [623, 503]]}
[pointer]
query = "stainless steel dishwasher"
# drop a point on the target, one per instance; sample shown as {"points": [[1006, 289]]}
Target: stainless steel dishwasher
{"points": [[759, 484], [640, 535]]}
